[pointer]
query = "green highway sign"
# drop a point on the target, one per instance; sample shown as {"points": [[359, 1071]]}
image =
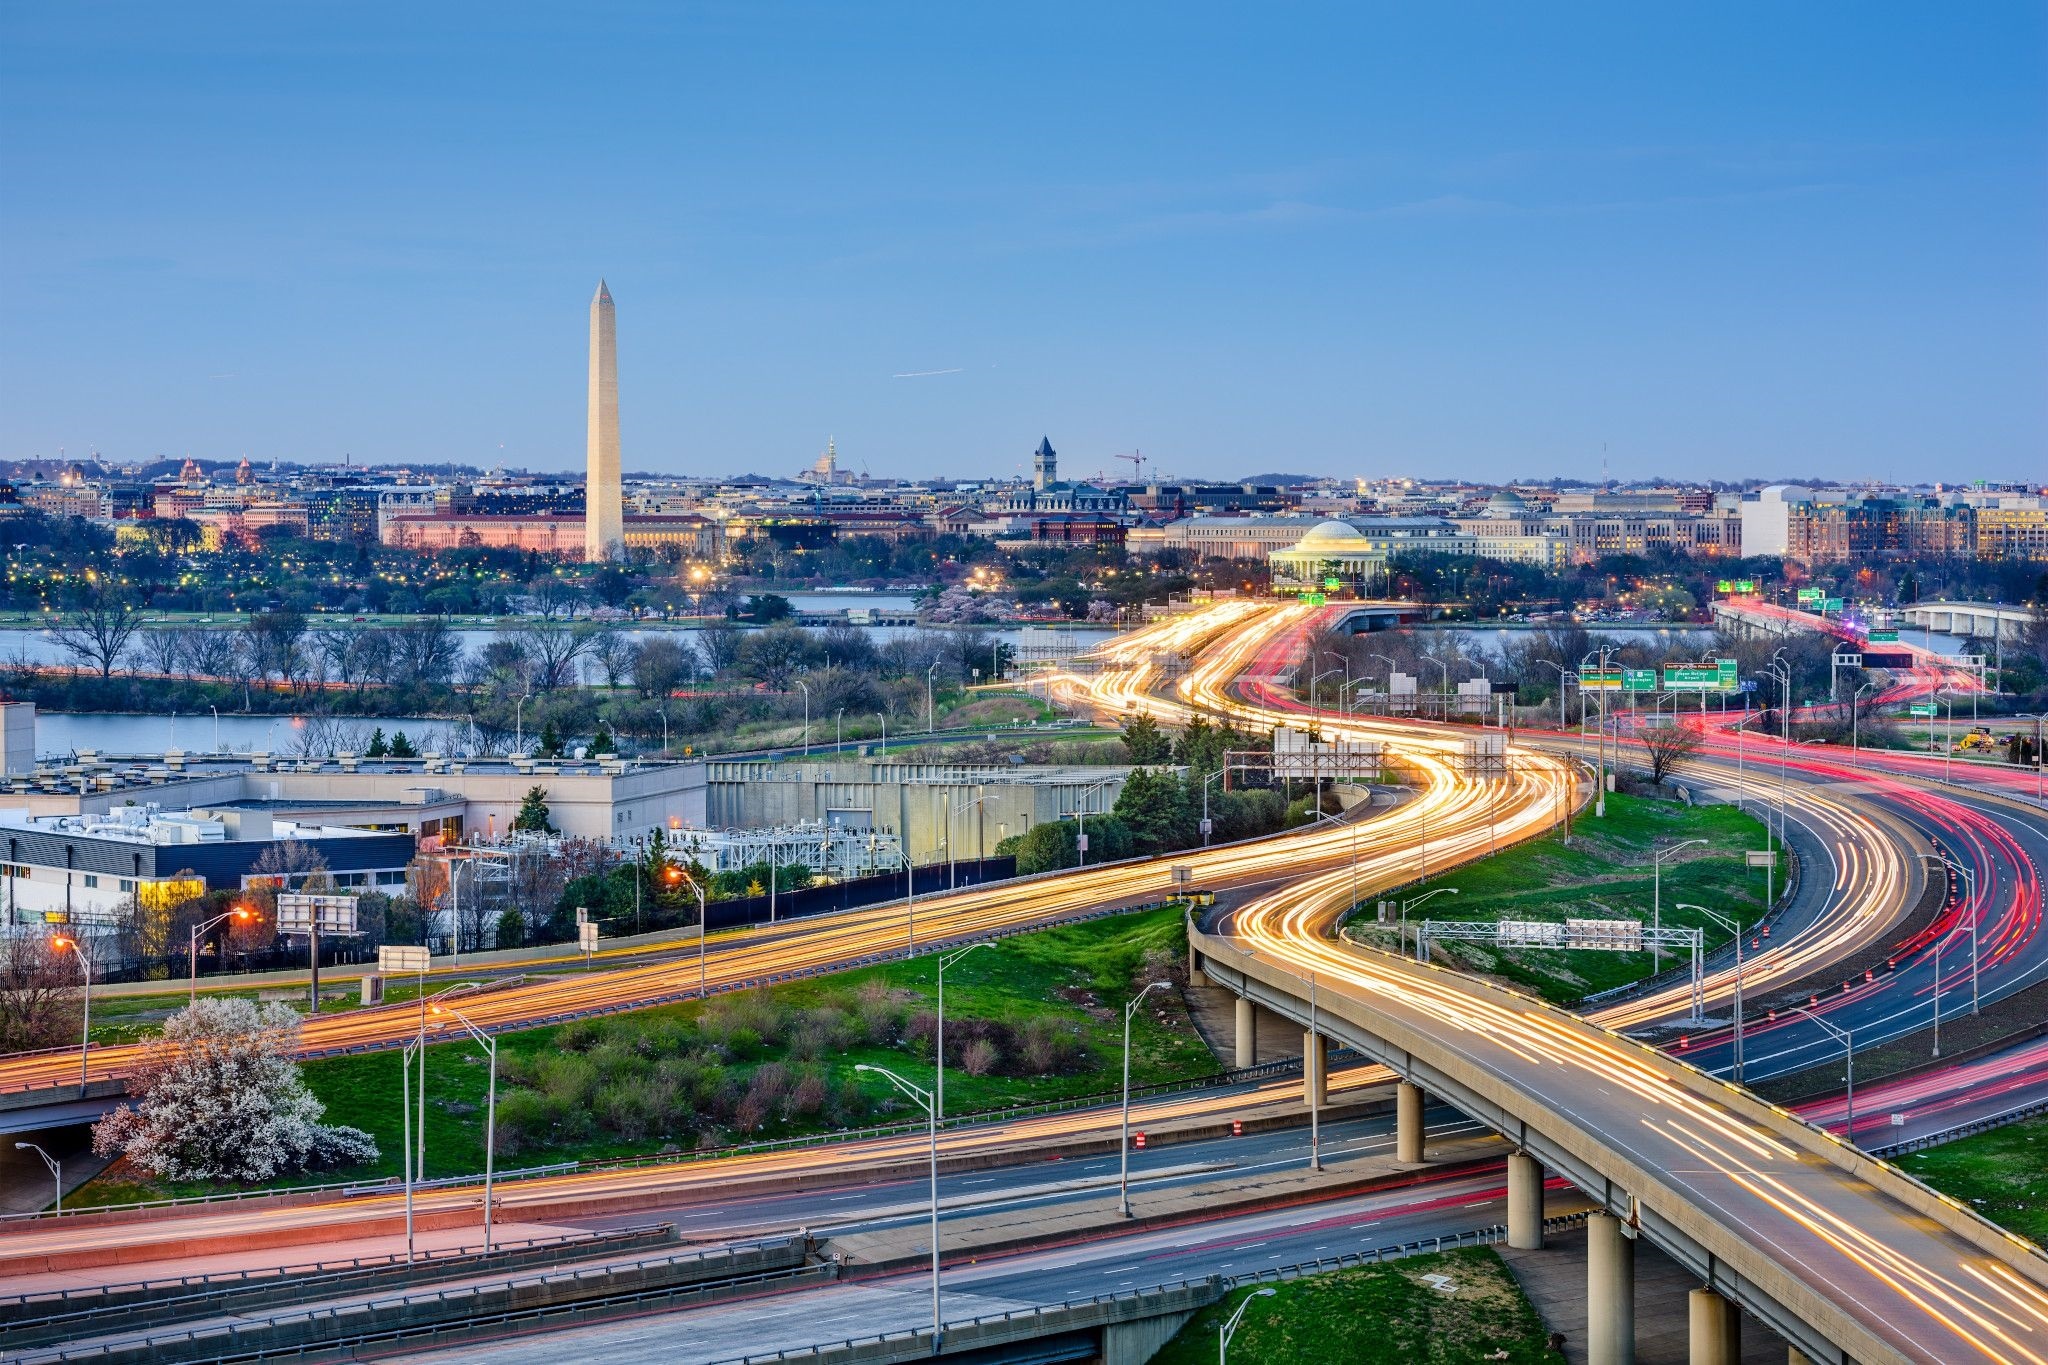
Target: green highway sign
{"points": [[1810, 594], [1639, 680], [1332, 584], [1715, 676], [1831, 604], [1315, 599], [1599, 680], [1884, 637], [1746, 586], [1724, 586], [1926, 711]]}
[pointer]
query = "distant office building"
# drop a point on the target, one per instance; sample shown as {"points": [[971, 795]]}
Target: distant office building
{"points": [[1861, 528], [1047, 494], [2013, 534]]}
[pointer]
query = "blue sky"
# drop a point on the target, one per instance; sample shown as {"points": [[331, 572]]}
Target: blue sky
{"points": [[1718, 239]]}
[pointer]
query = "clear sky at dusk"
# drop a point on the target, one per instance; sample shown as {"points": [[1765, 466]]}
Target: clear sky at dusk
{"points": [[1722, 239]]}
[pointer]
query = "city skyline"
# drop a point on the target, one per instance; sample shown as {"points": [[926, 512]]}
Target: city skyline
{"points": [[1377, 244]]}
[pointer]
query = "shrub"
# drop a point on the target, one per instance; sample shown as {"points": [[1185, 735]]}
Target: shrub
{"points": [[980, 1057]]}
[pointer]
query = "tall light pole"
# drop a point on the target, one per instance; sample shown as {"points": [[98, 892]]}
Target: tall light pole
{"points": [[216, 727], [192, 949], [1855, 714], [1205, 804], [1562, 674], [1657, 896], [1123, 1156], [1229, 1329], [807, 717], [1847, 1038], [939, 1054], [1408, 905], [85, 1030], [56, 1168], [1445, 714], [703, 920], [490, 1046], [929, 713], [1970, 879], [1733, 926], [519, 724], [926, 1101]]}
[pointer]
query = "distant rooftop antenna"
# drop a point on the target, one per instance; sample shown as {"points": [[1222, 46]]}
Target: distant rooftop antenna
{"points": [[1603, 462]]}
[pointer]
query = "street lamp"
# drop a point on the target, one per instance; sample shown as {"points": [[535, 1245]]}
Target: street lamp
{"points": [[662, 711], [839, 732], [1657, 896], [490, 1046], [1970, 878], [519, 724], [939, 1056], [1205, 803], [1847, 1038], [807, 715], [928, 711], [216, 727], [192, 948], [1123, 1170], [676, 874], [1855, 713], [1229, 1328], [1733, 926], [927, 1102], [1408, 905], [85, 1030], [1444, 714], [56, 1168]]}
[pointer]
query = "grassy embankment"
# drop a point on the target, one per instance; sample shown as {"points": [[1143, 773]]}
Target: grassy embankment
{"points": [[2002, 1174], [1381, 1313], [1048, 1006], [1605, 873]]}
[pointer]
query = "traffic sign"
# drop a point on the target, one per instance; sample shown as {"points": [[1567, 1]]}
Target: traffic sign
{"points": [[1639, 680], [1332, 584], [398, 957], [1601, 680], [1810, 594], [296, 911], [1926, 710], [1884, 637], [1315, 599], [1745, 587], [1717, 675], [1831, 604]]}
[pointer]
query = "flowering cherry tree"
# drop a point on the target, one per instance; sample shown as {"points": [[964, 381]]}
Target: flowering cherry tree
{"points": [[219, 1097]]}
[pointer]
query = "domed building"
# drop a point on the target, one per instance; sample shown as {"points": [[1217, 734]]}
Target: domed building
{"points": [[1332, 550]]}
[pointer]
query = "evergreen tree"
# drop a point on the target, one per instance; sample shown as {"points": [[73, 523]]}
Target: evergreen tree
{"points": [[533, 812], [1154, 807], [401, 747], [550, 741], [1144, 742], [378, 748], [602, 742]]}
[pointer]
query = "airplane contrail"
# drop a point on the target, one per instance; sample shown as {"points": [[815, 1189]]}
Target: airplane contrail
{"points": [[922, 374]]}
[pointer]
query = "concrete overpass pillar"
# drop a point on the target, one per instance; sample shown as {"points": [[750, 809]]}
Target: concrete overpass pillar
{"points": [[1315, 1069], [1408, 1100], [1196, 976], [1716, 1329], [1525, 1202], [1610, 1293], [1247, 1033]]}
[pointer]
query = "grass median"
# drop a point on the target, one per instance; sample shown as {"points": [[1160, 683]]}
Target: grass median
{"points": [[1033, 1018], [1424, 1310], [1604, 873], [2002, 1174]]}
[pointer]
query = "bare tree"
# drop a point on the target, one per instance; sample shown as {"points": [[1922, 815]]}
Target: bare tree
{"points": [[553, 649], [721, 646], [162, 651], [97, 633], [39, 994], [213, 654], [423, 652], [552, 596], [661, 665], [1668, 747], [614, 652]]}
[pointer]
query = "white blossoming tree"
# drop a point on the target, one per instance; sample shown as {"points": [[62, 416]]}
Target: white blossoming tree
{"points": [[219, 1097]]}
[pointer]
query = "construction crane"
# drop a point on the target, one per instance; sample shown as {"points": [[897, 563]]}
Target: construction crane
{"points": [[1137, 459]]}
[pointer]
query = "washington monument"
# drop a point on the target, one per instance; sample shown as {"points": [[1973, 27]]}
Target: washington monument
{"points": [[604, 524]]}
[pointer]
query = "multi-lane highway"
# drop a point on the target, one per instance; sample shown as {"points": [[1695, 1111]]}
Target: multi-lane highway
{"points": [[1902, 1281]]}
